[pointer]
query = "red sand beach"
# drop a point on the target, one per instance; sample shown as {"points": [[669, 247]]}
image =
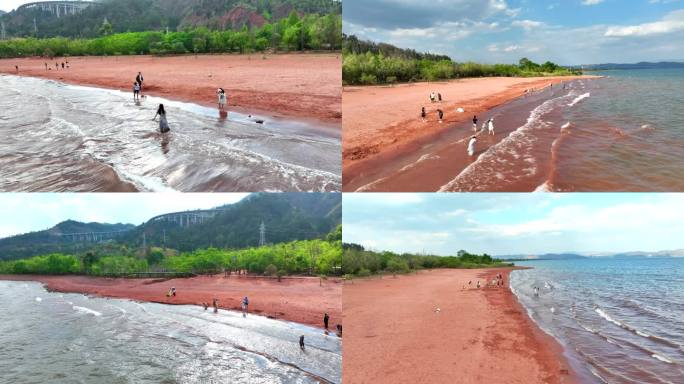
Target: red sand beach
{"points": [[395, 335], [301, 300], [383, 122], [294, 85]]}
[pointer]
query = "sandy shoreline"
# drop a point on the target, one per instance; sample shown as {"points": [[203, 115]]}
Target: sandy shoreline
{"points": [[303, 86], [300, 300], [382, 123], [395, 335]]}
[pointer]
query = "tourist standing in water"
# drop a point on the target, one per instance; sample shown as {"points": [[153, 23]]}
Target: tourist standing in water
{"points": [[471, 146], [491, 126], [139, 79], [136, 91], [301, 342], [475, 123], [325, 320], [163, 123], [245, 306], [221, 99]]}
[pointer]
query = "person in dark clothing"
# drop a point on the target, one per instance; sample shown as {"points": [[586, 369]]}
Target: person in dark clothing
{"points": [[439, 97], [301, 342], [339, 330], [474, 123], [325, 320], [441, 114], [62, 65], [139, 79], [422, 113]]}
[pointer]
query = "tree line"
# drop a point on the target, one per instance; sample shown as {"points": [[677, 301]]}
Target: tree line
{"points": [[299, 257], [368, 63], [357, 261], [294, 33]]}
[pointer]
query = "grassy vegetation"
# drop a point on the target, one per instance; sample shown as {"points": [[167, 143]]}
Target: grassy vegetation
{"points": [[357, 261], [311, 32], [300, 257], [367, 63]]}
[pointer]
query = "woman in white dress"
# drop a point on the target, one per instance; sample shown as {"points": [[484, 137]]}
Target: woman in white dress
{"points": [[163, 123], [222, 99]]}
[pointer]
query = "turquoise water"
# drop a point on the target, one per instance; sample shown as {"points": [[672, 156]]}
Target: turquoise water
{"points": [[620, 320]]}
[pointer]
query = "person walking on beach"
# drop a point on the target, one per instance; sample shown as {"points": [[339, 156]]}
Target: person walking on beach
{"points": [[325, 321], [491, 126], [221, 99], [423, 114], [339, 330], [475, 123], [17, 68], [62, 65], [471, 147], [57, 66], [478, 284], [46, 68], [136, 91], [163, 123], [301, 342], [441, 115], [139, 79], [432, 97], [245, 306], [439, 97]]}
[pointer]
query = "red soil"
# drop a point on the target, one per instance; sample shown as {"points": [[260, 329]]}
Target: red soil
{"points": [[395, 335], [295, 85], [386, 121], [301, 300]]}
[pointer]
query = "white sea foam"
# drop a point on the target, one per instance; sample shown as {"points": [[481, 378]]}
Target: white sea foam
{"points": [[38, 299], [579, 98], [565, 125], [663, 359], [606, 316], [86, 310]]}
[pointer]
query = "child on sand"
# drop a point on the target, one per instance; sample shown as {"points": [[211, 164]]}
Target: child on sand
{"points": [[441, 115], [423, 114], [478, 284], [439, 97], [471, 150], [163, 124], [432, 97]]}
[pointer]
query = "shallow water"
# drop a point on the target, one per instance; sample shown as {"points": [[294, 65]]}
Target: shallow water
{"points": [[58, 137], [71, 338], [620, 320], [624, 132]]}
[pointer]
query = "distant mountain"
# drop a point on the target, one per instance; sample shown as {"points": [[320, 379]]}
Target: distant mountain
{"points": [[642, 65], [546, 256], [145, 15], [672, 253], [286, 216]]}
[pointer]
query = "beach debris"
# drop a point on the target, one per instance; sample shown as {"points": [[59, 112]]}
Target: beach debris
{"points": [[38, 299], [460, 110], [437, 310]]}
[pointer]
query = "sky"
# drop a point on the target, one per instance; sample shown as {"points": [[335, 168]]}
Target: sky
{"points": [[514, 224], [567, 32], [26, 212]]}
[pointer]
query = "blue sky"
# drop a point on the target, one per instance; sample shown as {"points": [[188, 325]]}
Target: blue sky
{"points": [[26, 212], [525, 223], [568, 32]]}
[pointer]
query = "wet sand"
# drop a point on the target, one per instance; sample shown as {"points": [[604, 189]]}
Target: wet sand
{"points": [[395, 335], [382, 124], [299, 299], [305, 86]]}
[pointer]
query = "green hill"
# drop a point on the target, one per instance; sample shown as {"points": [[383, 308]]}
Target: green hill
{"points": [[146, 15], [286, 216]]}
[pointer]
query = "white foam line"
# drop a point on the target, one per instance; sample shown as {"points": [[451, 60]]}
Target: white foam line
{"points": [[663, 359], [579, 98], [86, 310]]}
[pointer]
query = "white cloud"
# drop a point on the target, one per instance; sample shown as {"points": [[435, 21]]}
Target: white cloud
{"points": [[591, 2], [673, 22], [527, 25]]}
